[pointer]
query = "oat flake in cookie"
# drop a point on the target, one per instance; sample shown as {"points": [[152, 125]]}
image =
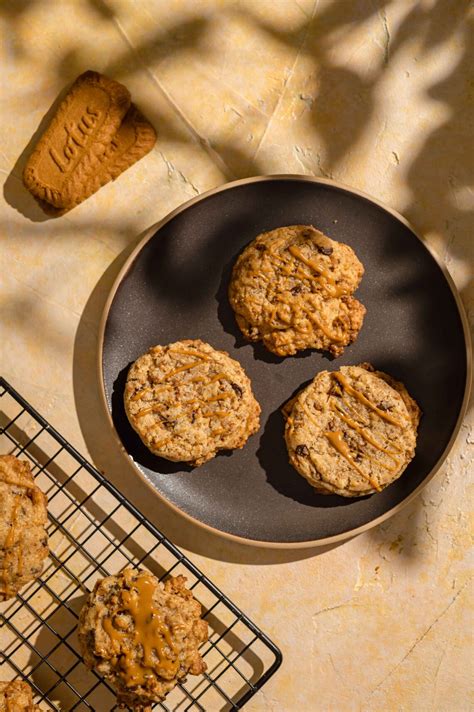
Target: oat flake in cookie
{"points": [[23, 517], [351, 432], [142, 635], [187, 401], [292, 289]]}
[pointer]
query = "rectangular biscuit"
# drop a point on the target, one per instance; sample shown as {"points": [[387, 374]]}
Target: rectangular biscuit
{"points": [[133, 140], [67, 156]]}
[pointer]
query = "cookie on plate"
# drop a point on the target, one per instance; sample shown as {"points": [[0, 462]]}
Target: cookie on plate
{"points": [[17, 696], [292, 289], [141, 635], [351, 432], [187, 401], [23, 517]]}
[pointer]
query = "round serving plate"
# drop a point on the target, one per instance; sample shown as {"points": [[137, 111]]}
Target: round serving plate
{"points": [[174, 286]]}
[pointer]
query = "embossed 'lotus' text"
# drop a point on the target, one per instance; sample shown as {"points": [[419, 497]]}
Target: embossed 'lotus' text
{"points": [[78, 135]]}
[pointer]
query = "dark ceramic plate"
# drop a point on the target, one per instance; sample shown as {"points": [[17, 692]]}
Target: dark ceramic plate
{"points": [[174, 286]]}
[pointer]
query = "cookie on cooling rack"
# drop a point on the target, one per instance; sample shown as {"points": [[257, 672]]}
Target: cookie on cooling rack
{"points": [[351, 432], [141, 635], [292, 289], [23, 517], [17, 696], [187, 401]]}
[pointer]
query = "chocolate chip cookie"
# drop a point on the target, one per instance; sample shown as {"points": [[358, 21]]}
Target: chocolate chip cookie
{"points": [[141, 635], [23, 517], [351, 432], [292, 289], [187, 401]]}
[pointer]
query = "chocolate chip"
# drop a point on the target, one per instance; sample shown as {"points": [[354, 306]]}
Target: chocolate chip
{"points": [[324, 250], [335, 390], [302, 450], [237, 389], [306, 233], [260, 247], [384, 406], [296, 289]]}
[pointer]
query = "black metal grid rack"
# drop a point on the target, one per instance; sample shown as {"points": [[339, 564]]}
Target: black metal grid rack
{"points": [[93, 532]]}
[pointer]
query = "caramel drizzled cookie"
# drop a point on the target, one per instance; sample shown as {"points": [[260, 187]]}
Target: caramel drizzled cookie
{"points": [[351, 432], [141, 635], [187, 401], [17, 696], [23, 517], [292, 289]]}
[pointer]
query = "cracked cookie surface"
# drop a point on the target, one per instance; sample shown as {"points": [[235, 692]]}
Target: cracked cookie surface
{"points": [[187, 401], [351, 432], [291, 288]]}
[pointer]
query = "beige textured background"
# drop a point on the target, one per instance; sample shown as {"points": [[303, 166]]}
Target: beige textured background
{"points": [[376, 93]]}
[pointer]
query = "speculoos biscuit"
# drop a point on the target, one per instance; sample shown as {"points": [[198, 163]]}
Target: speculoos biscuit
{"points": [[95, 135], [133, 140]]}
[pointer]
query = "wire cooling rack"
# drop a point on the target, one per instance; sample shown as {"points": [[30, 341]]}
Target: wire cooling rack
{"points": [[93, 532]]}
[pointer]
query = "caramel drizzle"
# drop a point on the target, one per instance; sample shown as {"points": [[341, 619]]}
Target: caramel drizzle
{"points": [[179, 369], [323, 276], [151, 635], [336, 438], [147, 411], [327, 281], [141, 393], [337, 441], [352, 410], [195, 379], [333, 337], [307, 314], [364, 434], [219, 377], [148, 389], [219, 396], [362, 399], [185, 367]]}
